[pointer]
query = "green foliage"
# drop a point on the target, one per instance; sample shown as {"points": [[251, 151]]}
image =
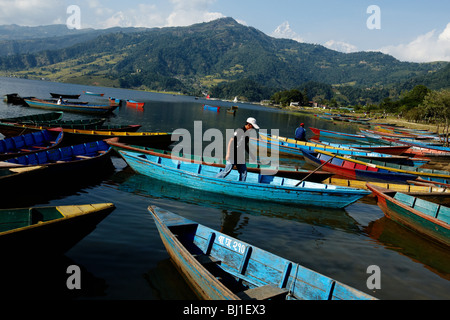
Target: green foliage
{"points": [[286, 97]]}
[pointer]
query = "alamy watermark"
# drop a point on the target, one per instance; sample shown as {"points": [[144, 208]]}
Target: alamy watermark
{"points": [[264, 153], [74, 19], [374, 20]]}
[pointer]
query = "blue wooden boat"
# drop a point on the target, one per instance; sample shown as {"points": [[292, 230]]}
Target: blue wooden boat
{"points": [[211, 108], [78, 108], [40, 231], [89, 93], [294, 148], [74, 159], [424, 217], [257, 186], [30, 143], [220, 267], [282, 171], [337, 135], [355, 171]]}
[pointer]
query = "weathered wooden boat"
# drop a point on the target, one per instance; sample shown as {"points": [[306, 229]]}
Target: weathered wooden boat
{"points": [[64, 96], [93, 93], [257, 186], [40, 231], [351, 170], [135, 104], [220, 267], [83, 158], [114, 101], [337, 135], [88, 109], [388, 149], [211, 108], [159, 140], [282, 171], [13, 129], [424, 191], [426, 218], [34, 118], [432, 174], [30, 143]]}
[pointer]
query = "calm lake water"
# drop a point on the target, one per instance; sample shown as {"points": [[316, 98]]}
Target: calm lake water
{"points": [[123, 258]]}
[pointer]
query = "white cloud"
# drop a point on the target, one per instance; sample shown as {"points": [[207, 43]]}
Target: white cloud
{"points": [[189, 12], [32, 12], [340, 46], [145, 15], [284, 31], [425, 48]]}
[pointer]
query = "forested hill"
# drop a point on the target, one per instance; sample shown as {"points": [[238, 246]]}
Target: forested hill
{"points": [[200, 56]]}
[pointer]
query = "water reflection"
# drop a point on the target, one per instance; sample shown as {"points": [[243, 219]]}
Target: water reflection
{"points": [[391, 235], [232, 207]]}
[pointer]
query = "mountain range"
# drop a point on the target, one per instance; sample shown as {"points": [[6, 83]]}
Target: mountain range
{"points": [[199, 57]]}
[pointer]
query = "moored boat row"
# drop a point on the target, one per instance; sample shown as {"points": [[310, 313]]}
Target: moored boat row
{"points": [[216, 270]]}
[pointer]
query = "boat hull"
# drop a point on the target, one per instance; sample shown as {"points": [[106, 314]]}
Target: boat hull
{"points": [[219, 267], [412, 219], [307, 193], [40, 104], [49, 230]]}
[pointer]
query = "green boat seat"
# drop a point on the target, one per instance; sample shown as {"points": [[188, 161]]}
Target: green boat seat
{"points": [[444, 214], [404, 198]]}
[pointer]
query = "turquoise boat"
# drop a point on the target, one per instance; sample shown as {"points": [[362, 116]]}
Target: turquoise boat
{"points": [[257, 186], [426, 218], [77, 108], [220, 267]]}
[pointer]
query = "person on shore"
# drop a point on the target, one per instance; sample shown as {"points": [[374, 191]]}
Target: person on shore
{"points": [[236, 154], [300, 133]]}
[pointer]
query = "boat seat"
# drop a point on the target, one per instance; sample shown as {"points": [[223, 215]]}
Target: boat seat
{"points": [[206, 259], [404, 198], [444, 214], [263, 293]]}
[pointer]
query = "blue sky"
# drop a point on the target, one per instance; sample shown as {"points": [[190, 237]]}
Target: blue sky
{"points": [[409, 30]]}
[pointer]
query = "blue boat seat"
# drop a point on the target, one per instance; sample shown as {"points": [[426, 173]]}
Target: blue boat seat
{"points": [[42, 157], [19, 142], [404, 198], [253, 178], [78, 149], [38, 138], [53, 155], [91, 148], [2, 146], [32, 159], [9, 144], [28, 138], [66, 153]]}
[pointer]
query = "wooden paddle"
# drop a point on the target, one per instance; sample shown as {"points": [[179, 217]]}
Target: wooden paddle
{"points": [[316, 170]]}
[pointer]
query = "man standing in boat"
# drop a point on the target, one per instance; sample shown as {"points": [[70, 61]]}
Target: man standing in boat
{"points": [[236, 148], [300, 133]]}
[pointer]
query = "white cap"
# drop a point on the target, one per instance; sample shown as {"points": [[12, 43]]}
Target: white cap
{"points": [[252, 121]]}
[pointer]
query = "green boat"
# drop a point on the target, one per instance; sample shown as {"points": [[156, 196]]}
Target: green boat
{"points": [[48, 230]]}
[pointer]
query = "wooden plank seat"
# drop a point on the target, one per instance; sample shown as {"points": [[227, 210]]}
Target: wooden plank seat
{"points": [[263, 293]]}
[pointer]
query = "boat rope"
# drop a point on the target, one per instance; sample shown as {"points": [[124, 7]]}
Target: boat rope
{"points": [[289, 294]]}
